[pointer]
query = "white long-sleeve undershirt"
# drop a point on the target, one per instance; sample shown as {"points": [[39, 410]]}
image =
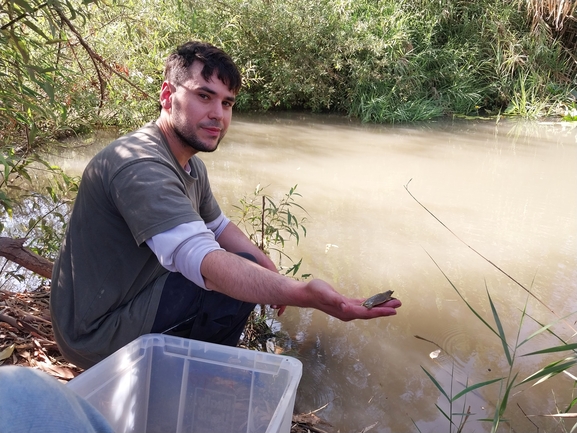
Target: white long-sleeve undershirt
{"points": [[182, 248]]}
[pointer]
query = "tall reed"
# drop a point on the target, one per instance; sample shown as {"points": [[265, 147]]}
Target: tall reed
{"points": [[510, 351]]}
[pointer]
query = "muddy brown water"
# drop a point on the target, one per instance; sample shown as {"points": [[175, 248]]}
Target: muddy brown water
{"points": [[507, 189]]}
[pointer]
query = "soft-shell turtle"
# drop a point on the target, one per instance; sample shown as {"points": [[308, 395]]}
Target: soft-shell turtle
{"points": [[378, 299]]}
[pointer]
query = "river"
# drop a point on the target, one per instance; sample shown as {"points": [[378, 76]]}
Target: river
{"points": [[498, 194]]}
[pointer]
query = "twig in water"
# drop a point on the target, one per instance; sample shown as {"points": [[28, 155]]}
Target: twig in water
{"points": [[370, 427], [527, 416], [432, 342], [319, 409], [465, 420], [428, 341]]}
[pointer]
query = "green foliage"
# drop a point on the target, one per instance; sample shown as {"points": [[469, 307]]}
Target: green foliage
{"points": [[48, 213], [393, 61], [59, 75], [31, 74], [571, 113], [271, 224], [14, 168], [52, 83], [72, 65], [19, 181], [68, 66]]}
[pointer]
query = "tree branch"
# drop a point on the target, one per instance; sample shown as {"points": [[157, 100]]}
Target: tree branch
{"points": [[22, 16], [15, 251], [95, 57]]}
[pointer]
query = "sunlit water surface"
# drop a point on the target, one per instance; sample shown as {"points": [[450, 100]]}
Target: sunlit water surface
{"points": [[507, 191]]}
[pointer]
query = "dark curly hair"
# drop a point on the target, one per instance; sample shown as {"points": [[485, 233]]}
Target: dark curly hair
{"points": [[176, 68]]}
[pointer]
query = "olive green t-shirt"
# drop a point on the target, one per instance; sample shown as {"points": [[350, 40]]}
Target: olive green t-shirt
{"points": [[106, 282]]}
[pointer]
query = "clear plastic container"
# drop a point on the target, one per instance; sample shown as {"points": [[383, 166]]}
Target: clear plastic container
{"points": [[164, 384]]}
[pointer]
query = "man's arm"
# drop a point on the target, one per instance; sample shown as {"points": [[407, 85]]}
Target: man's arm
{"points": [[244, 280], [233, 240]]}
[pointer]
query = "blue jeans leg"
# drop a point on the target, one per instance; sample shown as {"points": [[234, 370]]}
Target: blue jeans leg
{"points": [[34, 402]]}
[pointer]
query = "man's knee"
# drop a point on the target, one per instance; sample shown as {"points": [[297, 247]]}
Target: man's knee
{"points": [[33, 401]]}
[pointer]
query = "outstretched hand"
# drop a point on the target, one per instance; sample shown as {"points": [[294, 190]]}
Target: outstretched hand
{"points": [[325, 298]]}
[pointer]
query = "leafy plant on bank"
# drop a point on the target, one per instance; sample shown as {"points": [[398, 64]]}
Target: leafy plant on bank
{"points": [[571, 113], [37, 211], [395, 61], [270, 224], [38, 101], [20, 179], [69, 66], [52, 84]]}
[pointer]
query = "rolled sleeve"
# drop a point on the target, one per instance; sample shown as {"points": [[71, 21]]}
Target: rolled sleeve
{"points": [[218, 225], [183, 248]]}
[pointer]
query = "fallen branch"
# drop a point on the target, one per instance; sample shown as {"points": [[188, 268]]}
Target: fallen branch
{"points": [[15, 251], [21, 326]]}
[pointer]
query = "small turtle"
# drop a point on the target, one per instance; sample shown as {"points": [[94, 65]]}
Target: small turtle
{"points": [[378, 299]]}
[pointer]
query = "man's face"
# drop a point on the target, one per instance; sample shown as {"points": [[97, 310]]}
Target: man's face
{"points": [[201, 110]]}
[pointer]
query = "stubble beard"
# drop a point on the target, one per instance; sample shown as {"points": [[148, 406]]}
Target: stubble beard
{"points": [[190, 139]]}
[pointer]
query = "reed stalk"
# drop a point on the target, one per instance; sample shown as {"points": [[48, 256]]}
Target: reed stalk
{"points": [[509, 383]]}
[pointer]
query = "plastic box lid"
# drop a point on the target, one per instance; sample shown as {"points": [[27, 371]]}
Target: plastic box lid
{"points": [[166, 384]]}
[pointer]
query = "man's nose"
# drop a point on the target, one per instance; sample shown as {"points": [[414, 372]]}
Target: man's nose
{"points": [[216, 111]]}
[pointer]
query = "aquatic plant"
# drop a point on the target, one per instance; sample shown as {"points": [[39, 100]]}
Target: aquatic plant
{"points": [[270, 224], [507, 384], [458, 418]]}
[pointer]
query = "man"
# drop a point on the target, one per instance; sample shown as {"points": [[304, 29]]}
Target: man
{"points": [[148, 249]]}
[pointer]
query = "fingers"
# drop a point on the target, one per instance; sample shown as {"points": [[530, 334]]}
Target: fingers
{"points": [[331, 302]]}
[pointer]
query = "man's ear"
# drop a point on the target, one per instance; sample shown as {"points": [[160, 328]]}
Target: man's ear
{"points": [[166, 96]]}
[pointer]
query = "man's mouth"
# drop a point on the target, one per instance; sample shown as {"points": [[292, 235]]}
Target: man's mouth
{"points": [[212, 130]]}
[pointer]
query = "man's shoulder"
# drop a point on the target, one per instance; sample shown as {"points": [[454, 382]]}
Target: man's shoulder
{"points": [[134, 150], [142, 145], [146, 140]]}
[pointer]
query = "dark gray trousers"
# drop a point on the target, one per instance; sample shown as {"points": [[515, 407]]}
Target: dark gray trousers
{"points": [[187, 310]]}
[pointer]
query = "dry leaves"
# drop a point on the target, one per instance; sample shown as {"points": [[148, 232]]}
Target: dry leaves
{"points": [[26, 336]]}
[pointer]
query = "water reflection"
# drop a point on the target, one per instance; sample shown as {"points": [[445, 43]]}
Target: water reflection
{"points": [[507, 189]]}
